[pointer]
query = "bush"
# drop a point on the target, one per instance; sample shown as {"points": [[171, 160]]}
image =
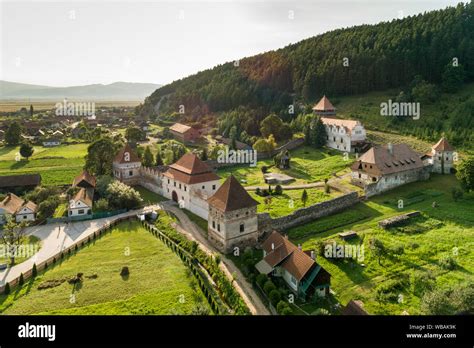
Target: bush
{"points": [[283, 308], [6, 291], [278, 190], [264, 169], [21, 281], [422, 282], [447, 262], [47, 207], [34, 271], [125, 271], [268, 287], [258, 191], [275, 297], [456, 193], [261, 280], [101, 205], [121, 196]]}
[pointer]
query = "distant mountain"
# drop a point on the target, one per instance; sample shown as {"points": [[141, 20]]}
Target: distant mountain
{"points": [[114, 91]]}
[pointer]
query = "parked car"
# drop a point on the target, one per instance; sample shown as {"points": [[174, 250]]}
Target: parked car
{"points": [[3, 266]]}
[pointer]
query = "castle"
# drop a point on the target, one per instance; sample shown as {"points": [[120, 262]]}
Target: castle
{"points": [[229, 209]]}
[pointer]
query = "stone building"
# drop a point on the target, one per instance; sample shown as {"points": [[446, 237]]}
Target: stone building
{"points": [[232, 219], [344, 135], [190, 182], [385, 167], [184, 133], [441, 157], [126, 166]]}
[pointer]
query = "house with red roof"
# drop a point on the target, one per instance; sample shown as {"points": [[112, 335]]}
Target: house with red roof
{"points": [[184, 133], [300, 271], [190, 182], [441, 157], [126, 166]]}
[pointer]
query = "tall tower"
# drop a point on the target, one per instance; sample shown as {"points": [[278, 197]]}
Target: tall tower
{"points": [[232, 219], [126, 166], [442, 157]]}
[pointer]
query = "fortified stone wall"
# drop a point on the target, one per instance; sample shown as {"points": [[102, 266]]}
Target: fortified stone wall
{"points": [[305, 215]]}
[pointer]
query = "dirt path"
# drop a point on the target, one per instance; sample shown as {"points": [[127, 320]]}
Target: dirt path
{"points": [[243, 287]]}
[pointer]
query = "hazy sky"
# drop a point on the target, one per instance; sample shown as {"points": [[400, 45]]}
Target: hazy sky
{"points": [[63, 43]]}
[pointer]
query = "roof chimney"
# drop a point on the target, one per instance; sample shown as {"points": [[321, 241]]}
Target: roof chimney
{"points": [[273, 246], [312, 254], [390, 148], [286, 236], [299, 246]]}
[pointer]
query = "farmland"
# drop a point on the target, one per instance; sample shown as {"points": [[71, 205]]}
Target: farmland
{"points": [[158, 283], [446, 230]]}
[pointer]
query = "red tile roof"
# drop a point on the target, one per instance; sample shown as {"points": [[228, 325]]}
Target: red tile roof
{"points": [[120, 157], [287, 255], [442, 145], [84, 176], [231, 196], [189, 169], [12, 204], [324, 105], [85, 195]]}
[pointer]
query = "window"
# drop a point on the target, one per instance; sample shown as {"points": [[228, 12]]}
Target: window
{"points": [[213, 224], [213, 187], [203, 187], [293, 280], [24, 216], [360, 175], [333, 138], [185, 188], [242, 227], [130, 173], [168, 181], [219, 227], [180, 186], [174, 183], [81, 211]]}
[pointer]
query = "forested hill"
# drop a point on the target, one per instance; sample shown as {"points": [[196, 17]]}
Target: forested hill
{"points": [[382, 56]]}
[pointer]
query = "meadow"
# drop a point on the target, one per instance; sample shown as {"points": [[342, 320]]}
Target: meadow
{"points": [[308, 165], [446, 230], [158, 283], [15, 105], [57, 165]]}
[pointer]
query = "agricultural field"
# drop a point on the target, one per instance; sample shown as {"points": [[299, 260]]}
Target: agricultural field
{"points": [[158, 283], [308, 165], [15, 105], [29, 243], [57, 165], [290, 200], [443, 231]]}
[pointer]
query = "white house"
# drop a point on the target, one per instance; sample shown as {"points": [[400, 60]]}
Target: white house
{"points": [[81, 203], [17, 207], [441, 157], [344, 135], [190, 182], [303, 275], [126, 166]]}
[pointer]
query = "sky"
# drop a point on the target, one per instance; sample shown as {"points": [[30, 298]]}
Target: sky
{"points": [[65, 43]]}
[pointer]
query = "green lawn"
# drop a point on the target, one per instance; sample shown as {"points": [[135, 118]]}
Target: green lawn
{"points": [[148, 196], [307, 165], [60, 211], [31, 241], [290, 200], [446, 230], [159, 283], [57, 165]]}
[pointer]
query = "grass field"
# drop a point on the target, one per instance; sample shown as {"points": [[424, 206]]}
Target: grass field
{"points": [[148, 196], [57, 165], [159, 283], [307, 165], [446, 230], [31, 241], [290, 200], [15, 105]]}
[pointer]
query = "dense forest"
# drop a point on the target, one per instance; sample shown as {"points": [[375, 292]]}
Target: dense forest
{"points": [[414, 56]]}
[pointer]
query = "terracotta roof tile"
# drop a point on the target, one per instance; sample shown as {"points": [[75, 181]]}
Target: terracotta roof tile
{"points": [[442, 145], [324, 105], [85, 176], [231, 196], [12, 204], [189, 169], [20, 180], [122, 158], [85, 195]]}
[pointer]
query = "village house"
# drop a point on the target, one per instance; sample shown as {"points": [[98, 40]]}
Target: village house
{"points": [[18, 208], [17, 183], [354, 307], [232, 219], [441, 157], [81, 203], [51, 142], [126, 166], [84, 180], [303, 275], [190, 182], [342, 135], [385, 167], [185, 134]]}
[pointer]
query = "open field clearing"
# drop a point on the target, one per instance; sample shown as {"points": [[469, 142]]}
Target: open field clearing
{"points": [[15, 105], [446, 230], [159, 283]]}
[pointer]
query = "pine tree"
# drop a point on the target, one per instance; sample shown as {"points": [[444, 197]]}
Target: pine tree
{"points": [[159, 160]]}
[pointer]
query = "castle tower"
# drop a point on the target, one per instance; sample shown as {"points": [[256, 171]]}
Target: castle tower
{"points": [[442, 157], [324, 108], [126, 166], [232, 219]]}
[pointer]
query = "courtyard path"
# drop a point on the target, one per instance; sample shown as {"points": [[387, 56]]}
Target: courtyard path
{"points": [[59, 236], [194, 232]]}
